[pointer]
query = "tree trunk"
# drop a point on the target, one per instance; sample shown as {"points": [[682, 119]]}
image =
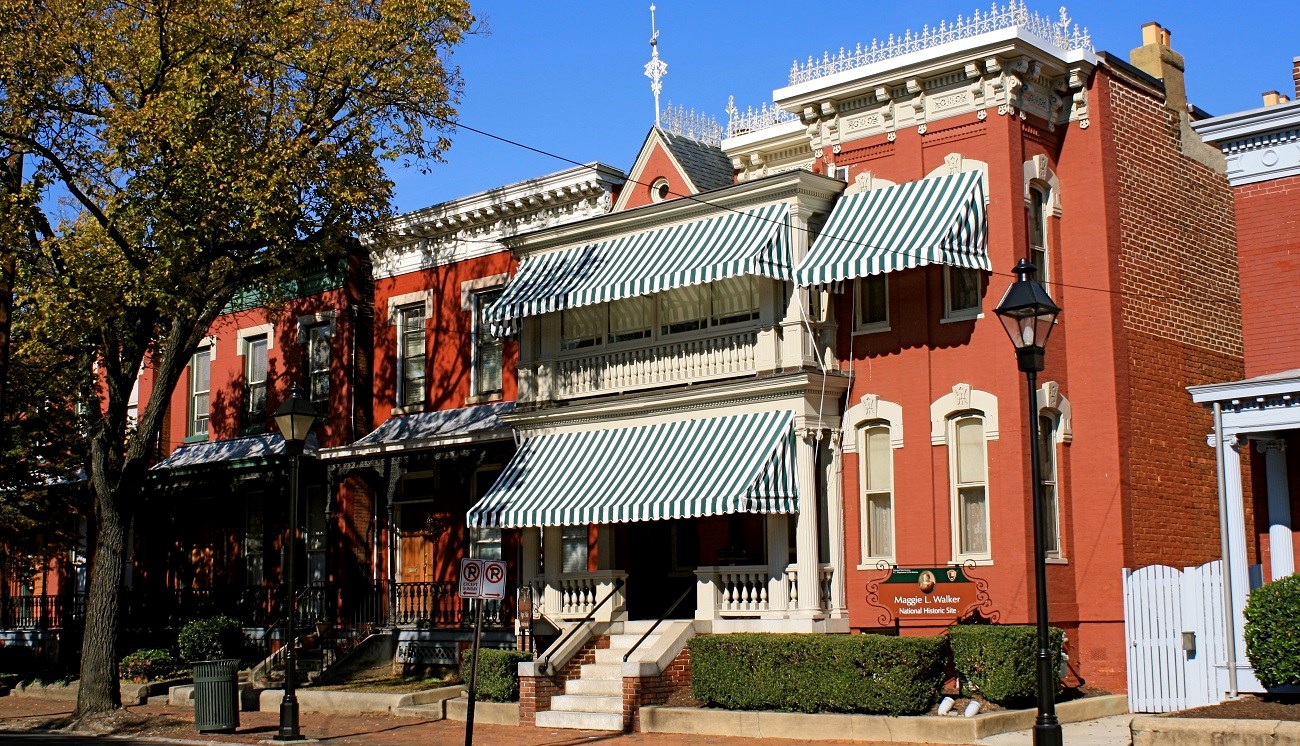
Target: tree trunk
{"points": [[99, 690]]}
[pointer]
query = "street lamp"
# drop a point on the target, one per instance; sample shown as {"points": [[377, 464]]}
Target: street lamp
{"points": [[1029, 314], [295, 418]]}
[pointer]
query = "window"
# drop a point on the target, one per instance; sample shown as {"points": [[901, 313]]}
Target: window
{"points": [[583, 326], [486, 376], [871, 304], [410, 346], [735, 299], [659, 190], [317, 350], [684, 309], [1038, 232], [255, 380], [485, 543], [630, 319], [200, 370], [967, 464], [961, 293], [573, 540], [1047, 492], [876, 457]]}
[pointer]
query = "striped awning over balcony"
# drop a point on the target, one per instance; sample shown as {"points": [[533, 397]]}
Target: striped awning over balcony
{"points": [[684, 469], [940, 220], [753, 242]]}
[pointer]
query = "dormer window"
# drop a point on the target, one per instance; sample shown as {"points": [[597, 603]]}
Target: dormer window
{"points": [[659, 190]]}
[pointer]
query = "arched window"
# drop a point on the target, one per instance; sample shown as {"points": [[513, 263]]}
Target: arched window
{"points": [[1038, 253], [968, 465], [876, 461]]}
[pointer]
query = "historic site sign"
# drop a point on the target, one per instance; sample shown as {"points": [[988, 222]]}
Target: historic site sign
{"points": [[935, 595]]}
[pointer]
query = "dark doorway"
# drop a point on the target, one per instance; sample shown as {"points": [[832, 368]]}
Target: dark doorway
{"points": [[659, 558]]}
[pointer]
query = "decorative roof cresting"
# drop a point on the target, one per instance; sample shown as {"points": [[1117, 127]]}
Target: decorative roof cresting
{"points": [[697, 126], [755, 119], [1061, 34]]}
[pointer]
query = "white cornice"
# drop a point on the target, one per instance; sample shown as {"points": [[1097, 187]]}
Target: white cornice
{"points": [[1258, 145], [1250, 123]]}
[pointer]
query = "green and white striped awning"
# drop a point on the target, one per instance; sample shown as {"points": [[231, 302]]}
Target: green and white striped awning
{"points": [[685, 469], [939, 220], [753, 242]]}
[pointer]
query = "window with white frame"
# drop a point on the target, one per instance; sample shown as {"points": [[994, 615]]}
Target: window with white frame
{"points": [[684, 309], [961, 296], [734, 299], [876, 460], [574, 544], [200, 385], [871, 303], [255, 379], [583, 326], [1038, 254], [317, 352], [968, 467], [1048, 495], [411, 355], [488, 348], [631, 319]]}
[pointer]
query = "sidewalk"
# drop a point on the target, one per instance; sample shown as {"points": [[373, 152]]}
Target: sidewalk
{"points": [[176, 725]]}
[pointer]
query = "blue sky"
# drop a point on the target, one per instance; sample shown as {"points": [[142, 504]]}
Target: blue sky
{"points": [[566, 76]]}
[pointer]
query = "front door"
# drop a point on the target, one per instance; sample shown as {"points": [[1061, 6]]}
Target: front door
{"points": [[416, 543], [660, 559]]}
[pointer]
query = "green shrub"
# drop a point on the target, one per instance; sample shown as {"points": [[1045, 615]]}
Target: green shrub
{"points": [[211, 639], [818, 673], [149, 665], [498, 673], [1272, 635], [998, 660]]}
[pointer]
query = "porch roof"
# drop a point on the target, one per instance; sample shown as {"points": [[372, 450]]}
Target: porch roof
{"points": [[754, 242], [481, 422], [253, 448], [940, 220], [683, 469]]}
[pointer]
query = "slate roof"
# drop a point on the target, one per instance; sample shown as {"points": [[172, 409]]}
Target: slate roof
{"points": [[705, 165], [447, 423], [229, 451]]}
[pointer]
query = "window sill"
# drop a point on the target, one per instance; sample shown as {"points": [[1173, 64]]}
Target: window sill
{"points": [[408, 409], [872, 329], [976, 561], [885, 560], [1056, 560], [961, 316], [196, 438], [484, 398]]}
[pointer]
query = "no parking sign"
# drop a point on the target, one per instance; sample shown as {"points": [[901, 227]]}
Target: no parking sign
{"points": [[482, 579]]}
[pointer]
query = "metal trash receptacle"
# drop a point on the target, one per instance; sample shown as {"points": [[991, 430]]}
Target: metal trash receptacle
{"points": [[216, 696]]}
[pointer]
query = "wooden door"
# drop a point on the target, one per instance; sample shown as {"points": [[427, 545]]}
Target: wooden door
{"points": [[416, 545]]}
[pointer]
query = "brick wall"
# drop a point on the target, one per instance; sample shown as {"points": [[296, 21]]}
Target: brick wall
{"points": [[654, 690], [1180, 321], [535, 692], [1268, 231]]}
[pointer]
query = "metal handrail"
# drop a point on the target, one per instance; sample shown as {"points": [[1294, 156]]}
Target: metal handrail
{"points": [[545, 663], [658, 621]]}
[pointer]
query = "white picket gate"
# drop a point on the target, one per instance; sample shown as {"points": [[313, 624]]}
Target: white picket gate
{"points": [[1165, 672]]}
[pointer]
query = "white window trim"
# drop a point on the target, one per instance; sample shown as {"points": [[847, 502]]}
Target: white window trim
{"points": [[954, 513], [1052, 404], [965, 399], [469, 290], [261, 330], [1037, 172], [410, 299], [951, 316], [869, 411], [873, 328], [210, 346], [414, 299], [307, 321]]}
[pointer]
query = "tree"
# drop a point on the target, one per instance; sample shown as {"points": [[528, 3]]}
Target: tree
{"points": [[203, 148]]}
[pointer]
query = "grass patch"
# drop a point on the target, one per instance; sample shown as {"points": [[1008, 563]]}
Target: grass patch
{"points": [[389, 685]]}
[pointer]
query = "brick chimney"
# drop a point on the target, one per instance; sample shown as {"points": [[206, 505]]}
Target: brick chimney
{"points": [[1273, 98], [1157, 59]]}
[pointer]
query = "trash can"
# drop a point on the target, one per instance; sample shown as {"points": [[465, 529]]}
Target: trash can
{"points": [[216, 696]]}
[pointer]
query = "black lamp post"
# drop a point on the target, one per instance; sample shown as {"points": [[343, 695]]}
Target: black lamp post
{"points": [[1028, 314], [295, 418]]}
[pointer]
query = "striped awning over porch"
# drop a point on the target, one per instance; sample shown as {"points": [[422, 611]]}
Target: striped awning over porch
{"points": [[940, 220], [684, 469], [753, 242]]}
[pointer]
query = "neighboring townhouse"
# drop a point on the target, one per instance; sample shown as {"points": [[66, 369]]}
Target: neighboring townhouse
{"points": [[442, 383], [1257, 416]]}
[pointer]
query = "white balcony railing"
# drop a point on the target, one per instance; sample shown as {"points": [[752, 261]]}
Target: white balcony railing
{"points": [[572, 596]]}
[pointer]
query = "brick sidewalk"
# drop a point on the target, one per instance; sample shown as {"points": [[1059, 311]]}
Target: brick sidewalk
{"points": [[177, 724]]}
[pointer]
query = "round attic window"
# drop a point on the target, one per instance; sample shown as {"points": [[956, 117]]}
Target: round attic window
{"points": [[659, 190]]}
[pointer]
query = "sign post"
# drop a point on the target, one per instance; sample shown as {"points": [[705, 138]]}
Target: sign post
{"points": [[479, 580]]}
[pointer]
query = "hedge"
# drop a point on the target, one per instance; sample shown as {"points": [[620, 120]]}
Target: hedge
{"points": [[498, 673], [211, 639], [818, 673], [150, 664], [1272, 634], [999, 660]]}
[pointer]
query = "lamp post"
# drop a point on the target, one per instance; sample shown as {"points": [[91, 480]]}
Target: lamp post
{"points": [[295, 418], [1028, 314]]}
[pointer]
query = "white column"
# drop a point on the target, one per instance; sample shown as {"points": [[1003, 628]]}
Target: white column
{"points": [[553, 561], [1235, 508], [835, 519], [604, 546], [778, 557], [531, 547], [1280, 553], [808, 568]]}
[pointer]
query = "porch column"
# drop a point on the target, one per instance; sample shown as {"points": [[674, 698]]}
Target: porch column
{"points": [[1237, 572], [1280, 553], [553, 561], [835, 522], [808, 568], [778, 558], [531, 542]]}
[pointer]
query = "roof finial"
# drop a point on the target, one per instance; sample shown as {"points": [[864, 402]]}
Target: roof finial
{"points": [[656, 68]]}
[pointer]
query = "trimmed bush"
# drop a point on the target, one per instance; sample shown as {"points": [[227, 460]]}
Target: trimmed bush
{"points": [[1272, 635], [149, 665], [498, 673], [998, 660], [818, 673], [211, 639]]}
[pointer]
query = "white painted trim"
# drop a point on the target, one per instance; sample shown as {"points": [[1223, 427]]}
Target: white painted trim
{"points": [[477, 285], [211, 344], [409, 299], [871, 408], [963, 398], [312, 319], [1051, 400], [261, 330]]}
